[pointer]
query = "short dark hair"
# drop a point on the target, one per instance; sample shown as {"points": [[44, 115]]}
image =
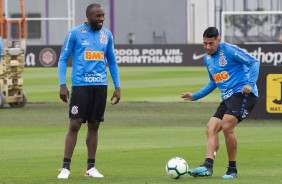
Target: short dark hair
{"points": [[211, 32], [91, 6]]}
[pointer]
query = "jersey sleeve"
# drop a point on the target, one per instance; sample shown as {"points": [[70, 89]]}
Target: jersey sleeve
{"points": [[66, 51], [113, 66], [254, 73], [251, 63], [207, 89]]}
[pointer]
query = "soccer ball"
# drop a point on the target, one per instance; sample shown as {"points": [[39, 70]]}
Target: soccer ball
{"points": [[176, 167]]}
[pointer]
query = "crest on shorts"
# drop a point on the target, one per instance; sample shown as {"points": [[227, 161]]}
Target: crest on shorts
{"points": [[74, 110], [245, 113], [222, 61]]}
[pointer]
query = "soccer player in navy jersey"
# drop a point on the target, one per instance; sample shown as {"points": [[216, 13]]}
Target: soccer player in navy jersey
{"points": [[234, 72], [92, 49]]}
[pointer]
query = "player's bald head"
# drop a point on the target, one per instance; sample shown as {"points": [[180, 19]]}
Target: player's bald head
{"points": [[88, 9]]}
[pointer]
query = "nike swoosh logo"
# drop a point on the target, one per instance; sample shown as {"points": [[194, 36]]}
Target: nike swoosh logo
{"points": [[197, 57]]}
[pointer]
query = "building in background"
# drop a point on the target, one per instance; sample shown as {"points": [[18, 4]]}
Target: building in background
{"points": [[148, 21]]}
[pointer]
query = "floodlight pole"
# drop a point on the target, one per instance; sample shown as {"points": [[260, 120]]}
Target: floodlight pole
{"points": [[112, 17]]}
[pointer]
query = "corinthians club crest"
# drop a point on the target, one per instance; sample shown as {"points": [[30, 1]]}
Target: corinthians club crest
{"points": [[74, 110], [103, 37], [222, 61]]}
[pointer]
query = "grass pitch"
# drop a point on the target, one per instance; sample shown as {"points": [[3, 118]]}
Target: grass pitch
{"points": [[138, 137], [139, 84]]}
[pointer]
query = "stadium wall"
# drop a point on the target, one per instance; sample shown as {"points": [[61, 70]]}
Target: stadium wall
{"points": [[269, 83], [156, 55]]}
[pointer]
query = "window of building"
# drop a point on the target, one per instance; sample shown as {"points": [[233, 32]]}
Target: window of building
{"points": [[33, 27]]}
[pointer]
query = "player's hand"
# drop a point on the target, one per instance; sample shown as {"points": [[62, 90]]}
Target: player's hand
{"points": [[116, 96], [187, 96], [246, 89], [64, 93]]}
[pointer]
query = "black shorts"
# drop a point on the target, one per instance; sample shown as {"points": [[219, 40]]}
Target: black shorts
{"points": [[88, 103], [238, 105]]}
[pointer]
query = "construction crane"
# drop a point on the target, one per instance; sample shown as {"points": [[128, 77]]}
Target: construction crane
{"points": [[12, 59]]}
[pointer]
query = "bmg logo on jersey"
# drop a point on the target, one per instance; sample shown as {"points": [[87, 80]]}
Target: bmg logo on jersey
{"points": [[93, 77], [93, 55], [274, 93], [219, 77]]}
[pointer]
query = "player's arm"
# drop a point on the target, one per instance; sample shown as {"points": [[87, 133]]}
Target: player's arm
{"points": [[207, 89], [253, 65], [254, 73], [187, 96], [114, 71], [62, 66], [200, 94]]}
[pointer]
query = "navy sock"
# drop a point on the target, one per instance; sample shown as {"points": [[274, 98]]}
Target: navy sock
{"points": [[232, 167], [90, 163], [232, 164], [66, 163], [208, 163]]}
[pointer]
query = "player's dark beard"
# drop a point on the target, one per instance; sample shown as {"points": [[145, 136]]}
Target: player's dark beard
{"points": [[95, 26]]}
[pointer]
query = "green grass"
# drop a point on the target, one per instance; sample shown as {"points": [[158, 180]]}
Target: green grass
{"points": [[138, 137], [136, 141], [139, 84]]}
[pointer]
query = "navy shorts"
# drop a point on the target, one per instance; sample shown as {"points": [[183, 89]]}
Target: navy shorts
{"points": [[238, 105], [88, 103]]}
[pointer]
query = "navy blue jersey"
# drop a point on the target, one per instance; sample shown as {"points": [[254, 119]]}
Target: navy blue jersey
{"points": [[230, 68], [91, 52]]}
